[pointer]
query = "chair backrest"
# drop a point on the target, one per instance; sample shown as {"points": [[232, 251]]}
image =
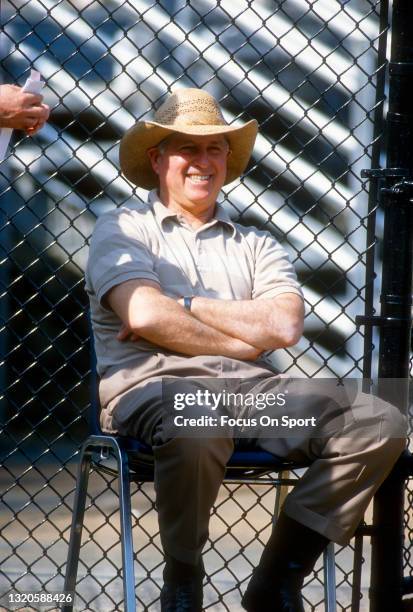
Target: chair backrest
{"points": [[93, 415], [94, 409]]}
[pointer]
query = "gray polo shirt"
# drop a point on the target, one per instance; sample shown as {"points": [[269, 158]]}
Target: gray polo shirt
{"points": [[221, 260]]}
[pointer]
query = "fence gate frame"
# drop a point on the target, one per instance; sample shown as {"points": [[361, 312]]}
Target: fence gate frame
{"points": [[388, 584]]}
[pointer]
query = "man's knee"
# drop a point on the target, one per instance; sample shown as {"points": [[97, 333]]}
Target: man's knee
{"points": [[374, 417], [395, 447], [393, 428], [392, 433]]}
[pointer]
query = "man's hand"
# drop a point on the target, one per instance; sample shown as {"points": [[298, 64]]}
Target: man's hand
{"points": [[22, 110], [125, 333]]}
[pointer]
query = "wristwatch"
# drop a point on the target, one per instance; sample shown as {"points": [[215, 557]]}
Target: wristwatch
{"points": [[187, 302]]}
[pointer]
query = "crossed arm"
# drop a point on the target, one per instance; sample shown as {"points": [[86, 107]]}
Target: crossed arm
{"points": [[241, 329]]}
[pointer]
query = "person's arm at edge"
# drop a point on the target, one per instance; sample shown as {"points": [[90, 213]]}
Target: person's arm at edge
{"points": [[269, 324], [146, 312], [22, 110]]}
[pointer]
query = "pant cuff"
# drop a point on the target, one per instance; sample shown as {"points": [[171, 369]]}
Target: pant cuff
{"points": [[326, 527], [184, 555]]}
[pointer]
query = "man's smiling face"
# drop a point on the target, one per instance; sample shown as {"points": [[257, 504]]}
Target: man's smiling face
{"points": [[191, 170]]}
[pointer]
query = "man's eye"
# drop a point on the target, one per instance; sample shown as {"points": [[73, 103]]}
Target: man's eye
{"points": [[216, 150]]}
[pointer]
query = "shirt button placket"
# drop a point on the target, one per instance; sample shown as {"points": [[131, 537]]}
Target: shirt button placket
{"points": [[198, 250]]}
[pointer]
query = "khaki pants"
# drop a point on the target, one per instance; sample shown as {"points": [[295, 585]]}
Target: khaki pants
{"points": [[349, 459]]}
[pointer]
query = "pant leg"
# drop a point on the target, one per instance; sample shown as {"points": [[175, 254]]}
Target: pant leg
{"points": [[188, 471], [346, 468], [188, 474], [349, 460]]}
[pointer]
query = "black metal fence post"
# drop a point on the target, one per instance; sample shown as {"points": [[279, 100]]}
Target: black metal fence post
{"points": [[395, 319]]}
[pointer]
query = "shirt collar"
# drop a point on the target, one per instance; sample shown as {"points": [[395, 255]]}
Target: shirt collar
{"points": [[162, 212], [222, 216]]}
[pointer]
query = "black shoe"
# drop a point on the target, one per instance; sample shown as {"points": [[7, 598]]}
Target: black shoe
{"points": [[184, 597], [266, 595], [182, 589], [289, 556]]}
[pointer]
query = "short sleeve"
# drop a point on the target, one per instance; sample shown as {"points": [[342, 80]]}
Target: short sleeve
{"points": [[274, 273], [118, 252]]}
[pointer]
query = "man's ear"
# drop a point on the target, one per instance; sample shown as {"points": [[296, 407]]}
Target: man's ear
{"points": [[153, 153]]}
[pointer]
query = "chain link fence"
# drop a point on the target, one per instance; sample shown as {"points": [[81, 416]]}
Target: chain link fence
{"points": [[312, 73]]}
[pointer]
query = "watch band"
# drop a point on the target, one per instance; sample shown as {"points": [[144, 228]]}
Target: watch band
{"points": [[187, 302]]}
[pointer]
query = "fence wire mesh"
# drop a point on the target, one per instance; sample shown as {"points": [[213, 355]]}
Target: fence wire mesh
{"points": [[312, 73]]}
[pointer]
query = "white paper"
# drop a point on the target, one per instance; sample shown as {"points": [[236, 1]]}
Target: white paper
{"points": [[34, 84]]}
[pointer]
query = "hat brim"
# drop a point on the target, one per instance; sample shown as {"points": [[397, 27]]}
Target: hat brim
{"points": [[135, 163]]}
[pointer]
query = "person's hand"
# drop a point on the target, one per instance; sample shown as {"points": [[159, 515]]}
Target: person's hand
{"points": [[41, 121], [22, 110], [125, 333]]}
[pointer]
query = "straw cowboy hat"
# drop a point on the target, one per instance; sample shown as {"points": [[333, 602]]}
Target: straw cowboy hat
{"points": [[186, 111]]}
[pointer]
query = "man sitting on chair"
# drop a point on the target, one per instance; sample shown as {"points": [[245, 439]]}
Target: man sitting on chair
{"points": [[177, 291]]}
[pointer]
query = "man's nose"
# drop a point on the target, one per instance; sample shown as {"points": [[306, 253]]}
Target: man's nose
{"points": [[202, 157]]}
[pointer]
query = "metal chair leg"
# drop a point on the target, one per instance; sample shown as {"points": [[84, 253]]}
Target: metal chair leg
{"points": [[330, 578], [126, 530], [281, 492], [77, 523], [328, 557], [357, 565], [125, 519]]}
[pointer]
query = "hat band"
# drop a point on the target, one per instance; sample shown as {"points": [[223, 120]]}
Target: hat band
{"points": [[193, 119]]}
